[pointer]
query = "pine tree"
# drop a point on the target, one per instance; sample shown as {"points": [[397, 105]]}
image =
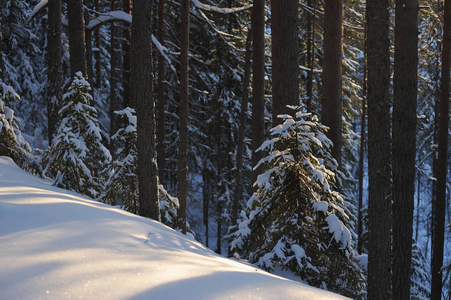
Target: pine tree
{"points": [[295, 219], [121, 186], [77, 154], [12, 143]]}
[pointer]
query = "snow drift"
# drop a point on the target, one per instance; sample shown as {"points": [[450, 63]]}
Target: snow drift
{"points": [[56, 244]]}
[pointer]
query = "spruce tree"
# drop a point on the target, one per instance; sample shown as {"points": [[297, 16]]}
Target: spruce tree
{"points": [[12, 143], [295, 218], [77, 153]]}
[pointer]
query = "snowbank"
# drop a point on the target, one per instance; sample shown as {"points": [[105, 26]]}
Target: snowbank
{"points": [[56, 244]]}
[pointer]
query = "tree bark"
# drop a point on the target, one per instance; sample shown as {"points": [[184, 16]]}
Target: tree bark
{"points": [[54, 66], [143, 96], [311, 56], [126, 56], [379, 149], [285, 27], [439, 204], [404, 138], [242, 129], [258, 83], [362, 153], [113, 81], [97, 55], [2, 64], [77, 47], [160, 102], [332, 81], [182, 175]]}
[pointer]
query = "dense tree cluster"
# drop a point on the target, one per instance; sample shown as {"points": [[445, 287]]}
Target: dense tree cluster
{"points": [[165, 108]]}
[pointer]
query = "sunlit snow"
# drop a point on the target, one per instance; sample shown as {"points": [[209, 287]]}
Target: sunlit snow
{"points": [[56, 244]]}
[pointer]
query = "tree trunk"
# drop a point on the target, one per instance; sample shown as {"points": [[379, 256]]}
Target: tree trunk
{"points": [[379, 159], [242, 130], [404, 148], [126, 56], [143, 97], [258, 82], [206, 196], [311, 56], [182, 176], [114, 106], [285, 57], [2, 64], [439, 204], [54, 76], [160, 102], [362, 153], [332, 90], [77, 47], [97, 55]]}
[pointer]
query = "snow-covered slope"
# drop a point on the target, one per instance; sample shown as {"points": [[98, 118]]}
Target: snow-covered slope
{"points": [[56, 244]]}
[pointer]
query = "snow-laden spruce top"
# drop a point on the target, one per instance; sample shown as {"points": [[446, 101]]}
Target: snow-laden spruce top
{"points": [[56, 244]]}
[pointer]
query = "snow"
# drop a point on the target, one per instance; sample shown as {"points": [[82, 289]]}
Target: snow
{"points": [[221, 10], [56, 244]]}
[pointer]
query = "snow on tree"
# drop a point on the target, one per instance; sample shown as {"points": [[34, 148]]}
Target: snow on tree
{"points": [[77, 153], [12, 143], [295, 218], [121, 186]]}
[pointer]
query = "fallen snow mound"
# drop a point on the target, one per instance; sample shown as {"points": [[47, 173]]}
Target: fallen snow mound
{"points": [[56, 244]]}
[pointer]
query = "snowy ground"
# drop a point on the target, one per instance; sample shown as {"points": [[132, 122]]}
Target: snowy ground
{"points": [[56, 244]]}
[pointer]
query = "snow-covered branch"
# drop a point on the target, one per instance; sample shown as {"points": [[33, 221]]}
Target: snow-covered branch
{"points": [[221, 10]]}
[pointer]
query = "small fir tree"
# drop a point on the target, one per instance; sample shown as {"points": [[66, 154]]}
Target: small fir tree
{"points": [[121, 187], [77, 153], [295, 219], [12, 143]]}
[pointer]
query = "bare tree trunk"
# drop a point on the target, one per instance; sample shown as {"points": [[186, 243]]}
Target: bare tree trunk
{"points": [[77, 47], [362, 153], [311, 59], [285, 59], [182, 176], [126, 51], [54, 76], [144, 99], [2, 64], [404, 138], [439, 204], [379, 149], [113, 81], [242, 129], [97, 81], [258, 83], [332, 89], [206, 201], [160, 102]]}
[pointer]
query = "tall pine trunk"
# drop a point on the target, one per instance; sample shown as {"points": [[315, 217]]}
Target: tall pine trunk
{"points": [[160, 101], [126, 52], [54, 75], [439, 203], [379, 158], [77, 47], [404, 138], [258, 82], [182, 175], [285, 59], [332, 81], [143, 97], [242, 129]]}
